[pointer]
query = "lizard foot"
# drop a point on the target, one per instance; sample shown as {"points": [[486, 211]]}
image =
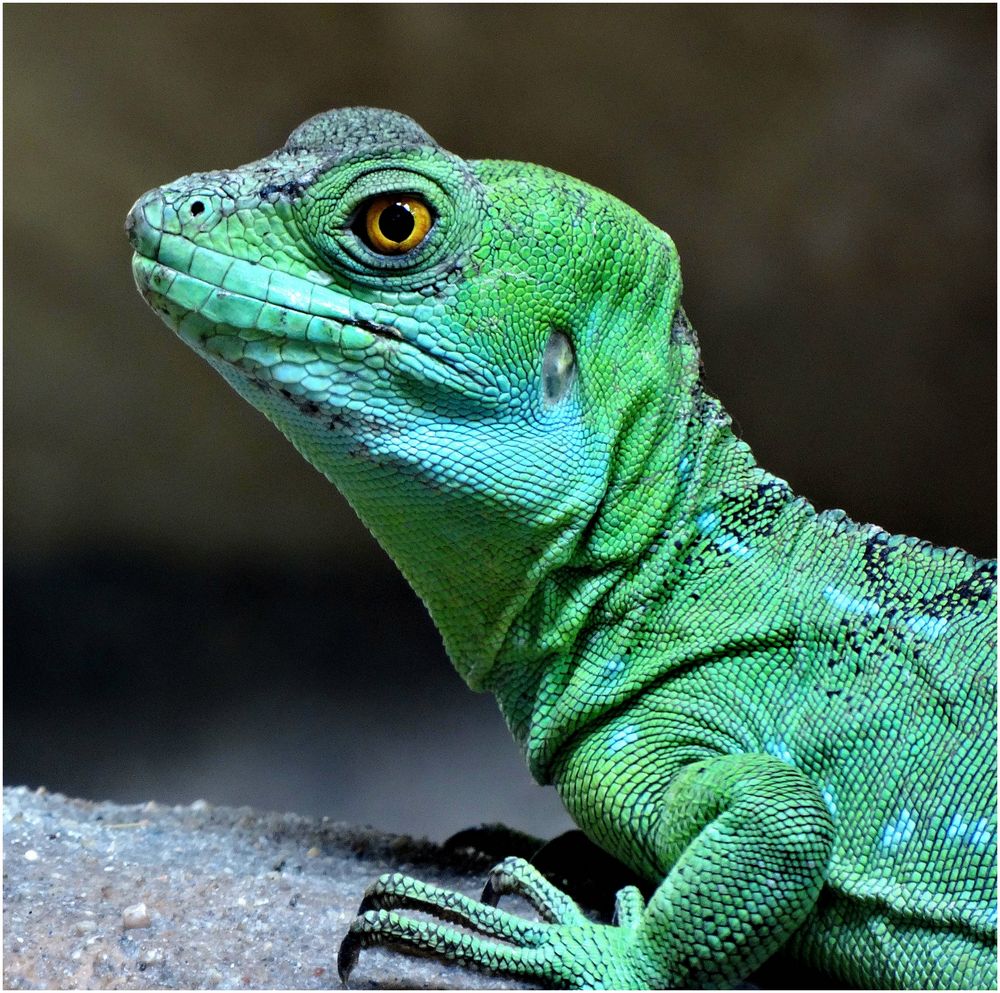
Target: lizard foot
{"points": [[565, 948]]}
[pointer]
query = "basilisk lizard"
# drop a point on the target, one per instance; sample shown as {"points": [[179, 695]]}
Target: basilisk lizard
{"points": [[783, 719]]}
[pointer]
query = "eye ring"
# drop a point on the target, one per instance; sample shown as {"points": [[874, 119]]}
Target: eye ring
{"points": [[393, 223]]}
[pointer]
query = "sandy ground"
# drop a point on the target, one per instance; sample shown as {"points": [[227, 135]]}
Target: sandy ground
{"points": [[101, 896]]}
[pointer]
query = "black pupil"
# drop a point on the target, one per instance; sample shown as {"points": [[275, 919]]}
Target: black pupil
{"points": [[197, 208], [396, 222]]}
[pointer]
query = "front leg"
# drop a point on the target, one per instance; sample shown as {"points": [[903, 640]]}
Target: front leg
{"points": [[748, 841], [745, 840]]}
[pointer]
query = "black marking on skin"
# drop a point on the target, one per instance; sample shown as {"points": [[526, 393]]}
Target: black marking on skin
{"points": [[390, 333], [580, 211], [705, 408], [306, 406], [384, 332], [876, 561], [359, 449], [981, 586], [977, 588], [772, 496], [291, 189], [681, 331]]}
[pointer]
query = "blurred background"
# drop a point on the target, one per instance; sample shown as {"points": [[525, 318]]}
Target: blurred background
{"points": [[191, 611]]}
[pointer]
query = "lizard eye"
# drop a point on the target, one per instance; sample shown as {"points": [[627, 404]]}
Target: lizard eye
{"points": [[393, 223]]}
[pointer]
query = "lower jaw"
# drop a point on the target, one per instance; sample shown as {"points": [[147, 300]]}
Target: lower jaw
{"points": [[304, 372], [233, 326]]}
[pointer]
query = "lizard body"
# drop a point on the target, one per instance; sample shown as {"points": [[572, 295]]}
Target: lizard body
{"points": [[783, 718]]}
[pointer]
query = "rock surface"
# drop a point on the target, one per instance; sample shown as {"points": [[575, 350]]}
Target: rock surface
{"points": [[101, 896]]}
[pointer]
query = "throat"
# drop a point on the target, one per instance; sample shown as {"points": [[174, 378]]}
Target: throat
{"points": [[679, 567]]}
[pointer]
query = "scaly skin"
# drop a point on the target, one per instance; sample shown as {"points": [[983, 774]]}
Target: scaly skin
{"points": [[784, 719]]}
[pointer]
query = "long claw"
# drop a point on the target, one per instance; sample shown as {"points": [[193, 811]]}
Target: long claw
{"points": [[387, 929], [490, 896], [515, 875], [347, 957]]}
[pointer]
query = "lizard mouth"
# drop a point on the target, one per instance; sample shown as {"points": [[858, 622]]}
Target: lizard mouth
{"points": [[278, 328]]}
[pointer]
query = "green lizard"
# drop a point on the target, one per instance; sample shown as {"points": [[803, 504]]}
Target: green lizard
{"points": [[783, 718]]}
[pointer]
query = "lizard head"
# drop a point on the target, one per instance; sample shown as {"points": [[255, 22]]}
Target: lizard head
{"points": [[459, 346]]}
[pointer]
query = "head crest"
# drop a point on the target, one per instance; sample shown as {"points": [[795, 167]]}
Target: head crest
{"points": [[350, 129]]}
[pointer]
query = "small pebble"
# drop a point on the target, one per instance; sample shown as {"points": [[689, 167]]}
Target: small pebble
{"points": [[31, 855], [85, 926], [152, 956], [135, 916], [212, 978], [314, 852]]}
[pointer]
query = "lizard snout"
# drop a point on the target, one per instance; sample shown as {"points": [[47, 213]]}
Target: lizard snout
{"points": [[143, 225]]}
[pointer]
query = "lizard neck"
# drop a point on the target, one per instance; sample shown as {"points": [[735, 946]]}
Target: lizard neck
{"points": [[693, 521]]}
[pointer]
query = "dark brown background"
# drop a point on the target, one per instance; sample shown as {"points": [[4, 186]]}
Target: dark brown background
{"points": [[192, 610]]}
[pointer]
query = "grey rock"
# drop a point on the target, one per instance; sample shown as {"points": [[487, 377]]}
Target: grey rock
{"points": [[235, 898]]}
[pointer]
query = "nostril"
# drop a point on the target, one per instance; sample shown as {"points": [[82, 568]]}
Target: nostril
{"points": [[144, 223], [197, 207]]}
